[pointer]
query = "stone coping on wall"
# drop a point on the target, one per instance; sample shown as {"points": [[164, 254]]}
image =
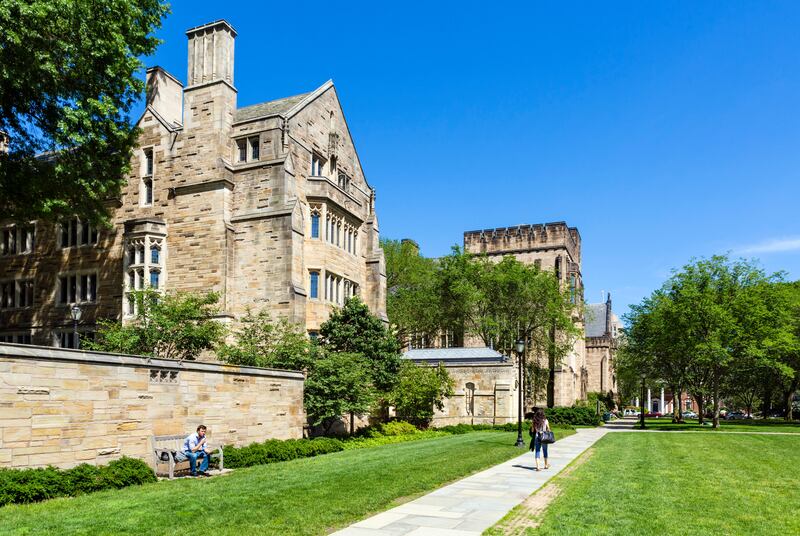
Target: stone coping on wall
{"points": [[48, 353]]}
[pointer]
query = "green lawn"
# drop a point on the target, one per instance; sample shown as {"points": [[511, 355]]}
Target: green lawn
{"points": [[681, 484], [745, 425], [308, 496]]}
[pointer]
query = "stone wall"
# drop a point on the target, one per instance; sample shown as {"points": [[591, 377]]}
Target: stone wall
{"points": [[493, 395], [64, 407]]}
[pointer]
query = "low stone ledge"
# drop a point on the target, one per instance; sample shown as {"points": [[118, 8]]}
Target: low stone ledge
{"points": [[48, 353]]}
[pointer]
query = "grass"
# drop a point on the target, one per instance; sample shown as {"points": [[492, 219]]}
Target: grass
{"points": [[680, 484], [744, 425], [308, 496]]}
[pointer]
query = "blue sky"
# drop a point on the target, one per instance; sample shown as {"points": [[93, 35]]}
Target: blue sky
{"points": [[663, 131]]}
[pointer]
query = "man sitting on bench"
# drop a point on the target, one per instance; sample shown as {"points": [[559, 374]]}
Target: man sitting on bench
{"points": [[194, 447]]}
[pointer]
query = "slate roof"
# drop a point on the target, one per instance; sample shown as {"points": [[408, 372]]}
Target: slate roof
{"points": [[273, 107], [456, 355], [595, 319]]}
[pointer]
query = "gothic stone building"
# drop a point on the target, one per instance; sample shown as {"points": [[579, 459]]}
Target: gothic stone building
{"points": [[556, 247], [265, 204], [602, 331]]}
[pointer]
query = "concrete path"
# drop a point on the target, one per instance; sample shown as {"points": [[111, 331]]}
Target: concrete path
{"points": [[470, 506]]}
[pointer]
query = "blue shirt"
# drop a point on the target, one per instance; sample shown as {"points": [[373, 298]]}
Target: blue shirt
{"points": [[191, 442]]}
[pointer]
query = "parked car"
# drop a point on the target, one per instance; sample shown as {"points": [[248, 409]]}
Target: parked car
{"points": [[735, 416], [631, 413], [653, 415], [689, 414]]}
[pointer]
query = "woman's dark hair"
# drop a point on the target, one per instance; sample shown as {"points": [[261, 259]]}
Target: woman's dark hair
{"points": [[538, 418]]}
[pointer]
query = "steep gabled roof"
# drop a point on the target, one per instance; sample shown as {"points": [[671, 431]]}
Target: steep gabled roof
{"points": [[266, 109], [595, 319]]}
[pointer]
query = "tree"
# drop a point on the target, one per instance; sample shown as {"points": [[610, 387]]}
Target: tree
{"points": [[504, 301], [412, 304], [420, 390], [340, 384], [354, 329], [171, 326], [711, 324], [260, 342], [67, 83]]}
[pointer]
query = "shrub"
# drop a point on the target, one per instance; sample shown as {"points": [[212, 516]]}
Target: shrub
{"points": [[126, 472], [33, 485], [574, 416], [275, 450], [364, 442], [395, 428]]}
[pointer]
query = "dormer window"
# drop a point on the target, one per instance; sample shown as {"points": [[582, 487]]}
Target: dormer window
{"points": [[344, 182], [317, 164], [248, 149]]}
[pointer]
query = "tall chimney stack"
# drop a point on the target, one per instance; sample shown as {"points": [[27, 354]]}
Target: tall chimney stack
{"points": [[210, 53]]}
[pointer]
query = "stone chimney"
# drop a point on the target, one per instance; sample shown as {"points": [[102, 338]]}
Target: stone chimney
{"points": [[211, 53], [209, 100], [165, 95]]}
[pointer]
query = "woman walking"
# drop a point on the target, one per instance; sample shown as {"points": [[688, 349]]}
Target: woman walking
{"points": [[539, 426]]}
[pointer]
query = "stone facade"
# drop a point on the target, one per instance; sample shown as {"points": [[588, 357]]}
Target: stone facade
{"points": [[485, 385], [266, 204], [556, 247], [603, 328], [65, 407]]}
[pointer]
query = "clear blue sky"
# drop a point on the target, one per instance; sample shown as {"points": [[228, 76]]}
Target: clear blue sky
{"points": [[662, 131]]}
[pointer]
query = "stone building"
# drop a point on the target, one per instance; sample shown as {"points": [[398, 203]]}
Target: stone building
{"points": [[551, 246], [266, 204], [602, 331], [486, 388]]}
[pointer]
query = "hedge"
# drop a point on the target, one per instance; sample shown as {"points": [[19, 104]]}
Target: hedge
{"points": [[573, 416], [33, 485], [276, 450]]}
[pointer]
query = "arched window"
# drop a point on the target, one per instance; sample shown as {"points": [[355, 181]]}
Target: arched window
{"points": [[315, 225], [469, 398]]}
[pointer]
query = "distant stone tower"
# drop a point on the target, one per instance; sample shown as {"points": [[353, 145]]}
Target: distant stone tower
{"points": [[551, 246]]}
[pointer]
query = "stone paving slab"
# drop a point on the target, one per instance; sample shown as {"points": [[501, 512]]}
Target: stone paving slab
{"points": [[473, 504]]}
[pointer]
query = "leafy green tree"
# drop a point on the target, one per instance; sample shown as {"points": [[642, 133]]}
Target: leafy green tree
{"points": [[504, 301], [261, 342], [420, 390], [170, 326], [67, 83], [412, 303], [353, 329], [711, 324], [339, 384]]}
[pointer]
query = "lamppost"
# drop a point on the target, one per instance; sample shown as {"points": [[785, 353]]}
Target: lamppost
{"points": [[75, 313], [641, 415], [519, 346]]}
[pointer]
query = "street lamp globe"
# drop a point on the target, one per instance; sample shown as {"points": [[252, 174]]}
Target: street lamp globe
{"points": [[75, 312], [520, 346]]}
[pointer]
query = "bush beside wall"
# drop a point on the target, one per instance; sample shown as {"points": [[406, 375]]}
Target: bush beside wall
{"points": [[33, 485], [573, 416]]}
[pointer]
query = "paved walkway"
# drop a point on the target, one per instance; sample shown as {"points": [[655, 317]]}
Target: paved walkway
{"points": [[473, 504]]}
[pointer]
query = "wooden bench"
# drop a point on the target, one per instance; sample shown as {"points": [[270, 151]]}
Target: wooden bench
{"points": [[164, 449]]}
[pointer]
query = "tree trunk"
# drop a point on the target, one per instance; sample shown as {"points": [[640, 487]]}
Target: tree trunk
{"points": [[788, 415], [766, 407], [715, 422], [700, 409], [676, 415], [551, 379], [352, 423]]}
